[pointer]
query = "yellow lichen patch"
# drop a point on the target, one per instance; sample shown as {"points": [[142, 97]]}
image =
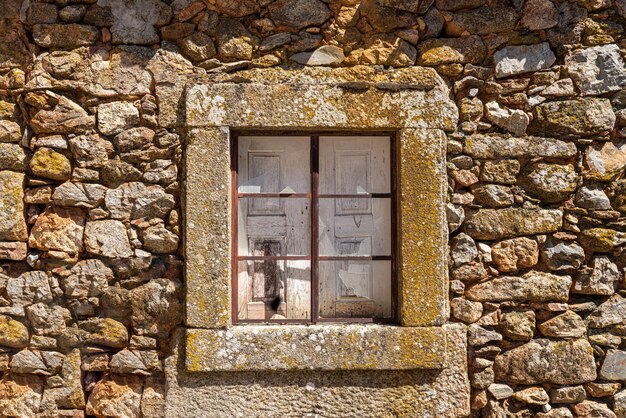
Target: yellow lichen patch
{"points": [[12, 221], [13, 334], [423, 272], [602, 240], [7, 109], [50, 164]]}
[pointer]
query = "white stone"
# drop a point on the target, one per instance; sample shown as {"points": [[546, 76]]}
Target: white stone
{"points": [[611, 312], [515, 121], [600, 278], [478, 335], [161, 171], [88, 278], [91, 151], [455, 215], [31, 287], [500, 391], [466, 310], [521, 59], [592, 197], [562, 255], [561, 88], [597, 70], [324, 55], [128, 362], [114, 117], [462, 249], [107, 238]]}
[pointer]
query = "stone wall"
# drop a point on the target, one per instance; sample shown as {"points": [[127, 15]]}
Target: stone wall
{"points": [[91, 284]]}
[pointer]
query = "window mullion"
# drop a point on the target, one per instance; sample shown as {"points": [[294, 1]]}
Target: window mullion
{"points": [[314, 228]]}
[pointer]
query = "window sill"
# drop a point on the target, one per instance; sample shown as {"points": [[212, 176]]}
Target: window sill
{"points": [[315, 347]]}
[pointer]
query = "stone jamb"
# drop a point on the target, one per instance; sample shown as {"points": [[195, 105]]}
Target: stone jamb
{"points": [[212, 110]]}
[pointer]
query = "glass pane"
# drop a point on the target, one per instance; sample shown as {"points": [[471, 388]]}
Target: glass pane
{"points": [[351, 165], [357, 226], [355, 289], [274, 227], [274, 289], [270, 164]]}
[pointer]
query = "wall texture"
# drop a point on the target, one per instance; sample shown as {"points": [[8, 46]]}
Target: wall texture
{"points": [[91, 145]]}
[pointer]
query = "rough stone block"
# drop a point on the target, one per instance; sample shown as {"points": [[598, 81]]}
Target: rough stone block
{"points": [[65, 36], [115, 117], [449, 51], [21, 395], [10, 131], [597, 70], [481, 21], [544, 361], [12, 221], [107, 238], [12, 157], [490, 224], [494, 146], [520, 59], [13, 250], [534, 286], [65, 117], [578, 117], [614, 366], [59, 229]]}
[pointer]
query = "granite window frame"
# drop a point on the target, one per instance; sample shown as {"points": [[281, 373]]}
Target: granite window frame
{"points": [[216, 109]]}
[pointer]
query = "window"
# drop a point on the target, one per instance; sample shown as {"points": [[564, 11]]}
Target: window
{"points": [[313, 228], [414, 104]]}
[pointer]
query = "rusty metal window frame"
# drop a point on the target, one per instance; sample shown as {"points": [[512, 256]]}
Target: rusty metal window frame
{"points": [[314, 197]]}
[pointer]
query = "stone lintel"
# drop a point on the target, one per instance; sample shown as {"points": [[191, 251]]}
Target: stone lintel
{"points": [[375, 103], [316, 347]]}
